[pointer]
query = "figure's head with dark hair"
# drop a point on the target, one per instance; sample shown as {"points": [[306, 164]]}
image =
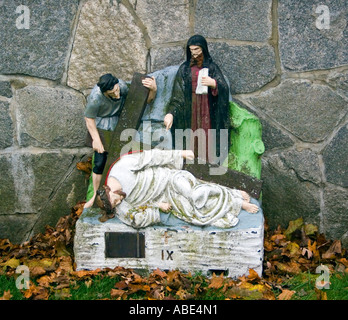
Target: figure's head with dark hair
{"points": [[103, 201], [108, 85], [107, 200], [107, 82], [197, 41]]}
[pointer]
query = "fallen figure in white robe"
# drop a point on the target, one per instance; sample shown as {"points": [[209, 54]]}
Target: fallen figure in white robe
{"points": [[141, 184]]}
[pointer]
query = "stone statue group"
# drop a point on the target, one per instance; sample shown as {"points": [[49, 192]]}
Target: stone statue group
{"points": [[141, 184]]}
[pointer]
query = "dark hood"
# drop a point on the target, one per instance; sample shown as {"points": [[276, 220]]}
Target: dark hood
{"points": [[198, 40]]}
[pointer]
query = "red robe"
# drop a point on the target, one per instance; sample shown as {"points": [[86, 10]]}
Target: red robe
{"points": [[200, 113]]}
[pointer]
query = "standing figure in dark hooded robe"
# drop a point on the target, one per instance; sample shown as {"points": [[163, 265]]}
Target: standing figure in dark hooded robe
{"points": [[202, 112]]}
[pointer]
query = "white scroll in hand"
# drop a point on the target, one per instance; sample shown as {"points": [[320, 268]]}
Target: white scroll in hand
{"points": [[200, 88]]}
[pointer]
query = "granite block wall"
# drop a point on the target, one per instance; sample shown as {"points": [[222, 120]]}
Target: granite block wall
{"points": [[286, 62]]}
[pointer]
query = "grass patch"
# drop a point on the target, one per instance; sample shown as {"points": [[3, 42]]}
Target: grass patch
{"points": [[95, 288], [305, 286], [9, 284], [99, 287]]}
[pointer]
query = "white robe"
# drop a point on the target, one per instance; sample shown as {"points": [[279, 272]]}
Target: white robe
{"points": [[154, 176]]}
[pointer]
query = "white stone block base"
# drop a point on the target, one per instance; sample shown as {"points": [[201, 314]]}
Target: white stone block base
{"points": [[176, 245]]}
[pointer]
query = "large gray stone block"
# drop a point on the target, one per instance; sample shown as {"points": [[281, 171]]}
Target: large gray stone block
{"points": [[50, 117], [6, 126], [42, 50], [5, 89], [305, 47], [274, 138], [65, 194], [339, 81], [335, 218], [38, 188], [236, 20], [309, 111], [248, 68], [166, 56], [286, 196], [165, 20], [335, 158], [108, 40], [17, 227], [7, 186], [305, 163], [31, 179]]}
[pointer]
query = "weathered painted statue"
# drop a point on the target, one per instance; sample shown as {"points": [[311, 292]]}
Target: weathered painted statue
{"points": [[104, 105], [191, 108], [141, 184]]}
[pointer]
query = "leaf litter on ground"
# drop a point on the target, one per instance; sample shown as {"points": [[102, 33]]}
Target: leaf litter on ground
{"points": [[299, 248]]}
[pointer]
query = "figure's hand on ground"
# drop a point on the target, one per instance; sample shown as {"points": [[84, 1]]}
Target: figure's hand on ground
{"points": [[168, 121], [164, 206], [250, 207], [188, 154], [245, 196], [90, 203]]}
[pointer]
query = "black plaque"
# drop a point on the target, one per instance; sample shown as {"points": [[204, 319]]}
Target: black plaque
{"points": [[124, 245]]}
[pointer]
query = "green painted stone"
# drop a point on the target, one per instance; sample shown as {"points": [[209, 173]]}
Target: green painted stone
{"points": [[246, 142]]}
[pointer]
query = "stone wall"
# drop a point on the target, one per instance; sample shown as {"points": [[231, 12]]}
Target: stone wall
{"points": [[281, 62], [42, 131]]}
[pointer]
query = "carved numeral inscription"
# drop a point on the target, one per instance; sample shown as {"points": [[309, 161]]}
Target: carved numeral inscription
{"points": [[167, 255]]}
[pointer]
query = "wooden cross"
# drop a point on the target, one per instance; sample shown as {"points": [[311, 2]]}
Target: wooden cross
{"points": [[229, 178], [130, 118]]}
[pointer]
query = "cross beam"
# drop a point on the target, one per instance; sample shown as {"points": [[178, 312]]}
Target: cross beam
{"points": [[130, 118], [229, 178]]}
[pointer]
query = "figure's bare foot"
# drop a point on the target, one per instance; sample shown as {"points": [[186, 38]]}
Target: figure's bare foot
{"points": [[245, 196], [90, 202], [164, 206], [250, 207]]}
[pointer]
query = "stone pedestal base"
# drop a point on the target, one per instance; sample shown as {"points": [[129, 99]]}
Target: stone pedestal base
{"points": [[171, 245]]}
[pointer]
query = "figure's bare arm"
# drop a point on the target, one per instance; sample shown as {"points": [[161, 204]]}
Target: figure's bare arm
{"points": [[97, 145]]}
